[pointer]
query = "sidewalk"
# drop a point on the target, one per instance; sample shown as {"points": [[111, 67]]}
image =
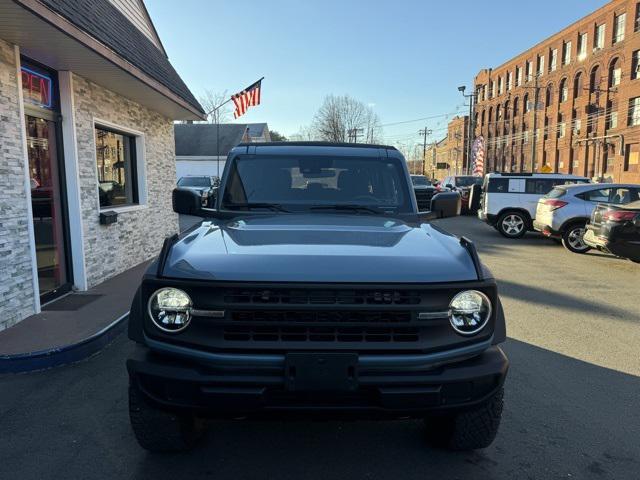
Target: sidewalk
{"points": [[72, 328]]}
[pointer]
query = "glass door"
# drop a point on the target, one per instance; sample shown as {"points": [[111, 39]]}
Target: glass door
{"points": [[48, 213]]}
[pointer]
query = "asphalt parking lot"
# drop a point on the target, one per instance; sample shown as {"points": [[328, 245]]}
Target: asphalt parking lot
{"points": [[572, 406]]}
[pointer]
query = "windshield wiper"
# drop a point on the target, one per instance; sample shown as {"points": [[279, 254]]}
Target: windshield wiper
{"points": [[276, 207], [352, 208]]}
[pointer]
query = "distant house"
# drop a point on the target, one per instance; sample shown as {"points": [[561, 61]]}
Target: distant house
{"points": [[197, 151]]}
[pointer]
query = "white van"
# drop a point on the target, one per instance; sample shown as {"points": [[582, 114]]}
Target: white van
{"points": [[509, 200]]}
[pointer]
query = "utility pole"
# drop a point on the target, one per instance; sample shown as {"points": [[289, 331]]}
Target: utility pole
{"points": [[424, 132], [354, 133], [536, 89]]}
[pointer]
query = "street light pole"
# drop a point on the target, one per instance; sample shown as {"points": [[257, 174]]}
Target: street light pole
{"points": [[425, 131], [472, 100]]}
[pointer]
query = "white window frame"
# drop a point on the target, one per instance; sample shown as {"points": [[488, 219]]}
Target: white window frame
{"points": [[583, 39], [619, 27], [518, 76], [553, 60], [141, 164], [566, 52], [601, 33], [540, 66], [634, 112]]}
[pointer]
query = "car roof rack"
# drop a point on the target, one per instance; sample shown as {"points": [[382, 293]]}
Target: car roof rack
{"points": [[314, 144]]}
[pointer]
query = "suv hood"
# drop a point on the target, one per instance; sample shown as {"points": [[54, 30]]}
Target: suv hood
{"points": [[319, 248]]}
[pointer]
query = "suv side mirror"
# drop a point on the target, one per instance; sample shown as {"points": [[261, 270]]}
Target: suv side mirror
{"points": [[446, 204], [448, 185], [186, 202]]}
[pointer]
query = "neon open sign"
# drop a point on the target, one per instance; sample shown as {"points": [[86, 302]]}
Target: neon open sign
{"points": [[36, 88]]}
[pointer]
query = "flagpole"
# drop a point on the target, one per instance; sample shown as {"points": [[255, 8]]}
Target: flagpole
{"points": [[215, 109]]}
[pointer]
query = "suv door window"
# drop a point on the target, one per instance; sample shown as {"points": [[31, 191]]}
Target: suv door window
{"points": [[516, 185], [498, 185], [539, 186], [601, 195], [622, 196]]}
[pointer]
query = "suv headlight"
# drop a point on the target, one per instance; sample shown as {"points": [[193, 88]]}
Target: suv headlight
{"points": [[469, 312], [170, 309]]}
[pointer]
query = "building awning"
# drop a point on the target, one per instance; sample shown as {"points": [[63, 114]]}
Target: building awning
{"points": [[55, 41]]}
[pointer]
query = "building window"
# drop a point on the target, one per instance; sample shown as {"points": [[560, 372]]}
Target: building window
{"points": [[518, 76], [594, 81], [515, 107], [566, 53], [598, 44], [500, 85], [540, 65], [636, 23], [117, 169], [546, 128], [577, 123], [553, 60], [548, 95], [564, 90], [618, 27], [526, 107], [611, 116], [528, 71], [562, 127], [615, 73], [492, 89], [634, 112], [631, 155], [582, 46], [635, 64], [509, 80], [577, 85]]}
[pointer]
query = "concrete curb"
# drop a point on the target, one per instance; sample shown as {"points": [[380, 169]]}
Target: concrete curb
{"points": [[55, 357]]}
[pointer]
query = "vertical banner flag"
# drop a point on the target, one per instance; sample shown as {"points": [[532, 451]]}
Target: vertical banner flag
{"points": [[477, 156], [249, 97]]}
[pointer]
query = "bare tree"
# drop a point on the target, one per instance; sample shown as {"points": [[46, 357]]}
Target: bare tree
{"points": [[304, 134], [210, 100], [342, 118]]}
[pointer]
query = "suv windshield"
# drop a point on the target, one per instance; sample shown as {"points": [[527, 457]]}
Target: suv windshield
{"points": [[419, 181], [194, 182], [301, 183], [468, 181]]}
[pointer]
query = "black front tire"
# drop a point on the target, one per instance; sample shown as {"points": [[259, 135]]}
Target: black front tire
{"points": [[158, 430], [468, 430]]}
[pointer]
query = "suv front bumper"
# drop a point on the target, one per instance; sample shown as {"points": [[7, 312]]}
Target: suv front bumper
{"points": [[227, 386]]}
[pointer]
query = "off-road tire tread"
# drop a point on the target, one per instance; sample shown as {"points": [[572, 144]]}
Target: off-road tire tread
{"points": [[160, 431], [477, 428]]}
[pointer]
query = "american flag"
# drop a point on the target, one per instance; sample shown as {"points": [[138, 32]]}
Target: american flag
{"points": [[249, 97], [477, 154]]}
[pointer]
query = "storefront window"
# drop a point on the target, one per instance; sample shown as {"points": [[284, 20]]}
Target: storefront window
{"points": [[116, 165]]}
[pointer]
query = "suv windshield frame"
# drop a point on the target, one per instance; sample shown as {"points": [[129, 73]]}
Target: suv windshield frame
{"points": [[207, 180], [397, 186]]}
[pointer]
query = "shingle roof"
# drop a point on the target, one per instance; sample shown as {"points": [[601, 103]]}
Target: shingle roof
{"points": [[105, 23], [199, 139]]}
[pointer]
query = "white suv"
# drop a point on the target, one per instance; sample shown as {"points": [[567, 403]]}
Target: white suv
{"points": [[509, 200]]}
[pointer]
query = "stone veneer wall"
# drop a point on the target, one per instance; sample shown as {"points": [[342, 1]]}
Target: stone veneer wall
{"points": [[16, 287], [138, 234]]}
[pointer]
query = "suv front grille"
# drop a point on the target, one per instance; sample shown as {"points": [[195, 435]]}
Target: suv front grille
{"points": [[319, 316], [321, 297], [423, 198]]}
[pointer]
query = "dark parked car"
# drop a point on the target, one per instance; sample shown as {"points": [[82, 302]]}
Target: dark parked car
{"points": [[315, 286], [616, 229], [424, 191], [463, 184], [205, 185]]}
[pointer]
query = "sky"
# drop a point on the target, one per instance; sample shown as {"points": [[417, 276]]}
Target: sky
{"points": [[405, 58]]}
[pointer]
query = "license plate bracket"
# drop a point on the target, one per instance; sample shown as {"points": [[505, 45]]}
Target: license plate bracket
{"points": [[314, 372]]}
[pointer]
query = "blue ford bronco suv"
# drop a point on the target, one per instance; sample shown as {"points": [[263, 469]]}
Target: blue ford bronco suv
{"points": [[314, 286]]}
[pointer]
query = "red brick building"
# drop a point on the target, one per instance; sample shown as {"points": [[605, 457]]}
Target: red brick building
{"points": [[578, 90]]}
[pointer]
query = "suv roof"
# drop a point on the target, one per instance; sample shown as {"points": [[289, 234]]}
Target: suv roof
{"points": [[600, 185], [315, 144], [535, 175]]}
